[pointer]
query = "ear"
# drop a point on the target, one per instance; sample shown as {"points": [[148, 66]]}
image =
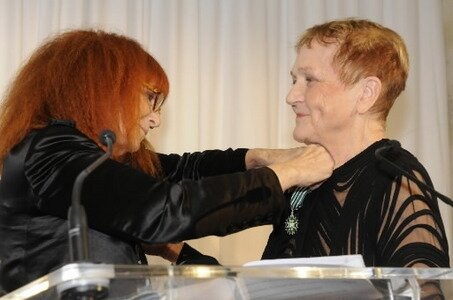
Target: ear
{"points": [[371, 89]]}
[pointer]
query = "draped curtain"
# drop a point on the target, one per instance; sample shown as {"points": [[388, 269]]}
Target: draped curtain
{"points": [[228, 62]]}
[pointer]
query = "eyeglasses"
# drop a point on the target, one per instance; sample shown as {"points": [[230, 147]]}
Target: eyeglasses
{"points": [[155, 98]]}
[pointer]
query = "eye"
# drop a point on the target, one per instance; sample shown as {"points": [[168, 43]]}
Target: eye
{"points": [[152, 102], [293, 77], [310, 79]]}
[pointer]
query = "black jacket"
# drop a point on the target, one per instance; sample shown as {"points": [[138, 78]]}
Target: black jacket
{"points": [[124, 206]]}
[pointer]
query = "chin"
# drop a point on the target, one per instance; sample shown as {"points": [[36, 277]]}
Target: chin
{"points": [[303, 138], [122, 149], [300, 137], [134, 148]]}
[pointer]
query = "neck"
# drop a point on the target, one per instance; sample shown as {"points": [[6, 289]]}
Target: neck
{"points": [[346, 145]]}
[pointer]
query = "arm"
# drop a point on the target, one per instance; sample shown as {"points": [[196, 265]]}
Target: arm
{"points": [[197, 165], [313, 162], [124, 202], [302, 166]]}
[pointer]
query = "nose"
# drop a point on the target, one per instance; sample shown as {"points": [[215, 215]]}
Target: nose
{"points": [[154, 119], [295, 94]]}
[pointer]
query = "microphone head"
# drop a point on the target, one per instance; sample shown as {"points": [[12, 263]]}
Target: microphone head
{"points": [[386, 157], [395, 144], [105, 135], [392, 147]]}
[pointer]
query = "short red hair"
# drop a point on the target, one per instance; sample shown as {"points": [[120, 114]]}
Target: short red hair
{"points": [[91, 77], [365, 49]]}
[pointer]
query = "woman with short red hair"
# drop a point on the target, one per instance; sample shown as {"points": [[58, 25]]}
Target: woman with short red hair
{"points": [[346, 77]]}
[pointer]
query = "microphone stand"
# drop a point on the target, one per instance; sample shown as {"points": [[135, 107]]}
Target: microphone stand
{"points": [[382, 158], [78, 232], [95, 288]]}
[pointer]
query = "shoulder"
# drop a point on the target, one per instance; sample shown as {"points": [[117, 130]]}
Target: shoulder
{"points": [[410, 181], [394, 160], [49, 140], [59, 145], [410, 163], [58, 136], [56, 155]]}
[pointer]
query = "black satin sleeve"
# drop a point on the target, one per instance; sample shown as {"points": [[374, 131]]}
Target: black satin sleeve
{"points": [[127, 203], [197, 165]]}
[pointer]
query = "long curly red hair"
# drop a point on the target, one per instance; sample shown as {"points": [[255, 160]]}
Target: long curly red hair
{"points": [[89, 76]]}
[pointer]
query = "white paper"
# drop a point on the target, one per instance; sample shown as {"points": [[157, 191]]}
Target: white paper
{"points": [[355, 260], [310, 288]]}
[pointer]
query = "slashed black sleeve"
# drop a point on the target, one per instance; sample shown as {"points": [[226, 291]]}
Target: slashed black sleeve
{"points": [[411, 231]]}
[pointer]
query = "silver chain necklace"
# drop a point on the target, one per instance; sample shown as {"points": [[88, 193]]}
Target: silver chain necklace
{"points": [[296, 201]]}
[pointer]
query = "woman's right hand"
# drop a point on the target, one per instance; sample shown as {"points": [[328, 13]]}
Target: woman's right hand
{"points": [[312, 166], [169, 251]]}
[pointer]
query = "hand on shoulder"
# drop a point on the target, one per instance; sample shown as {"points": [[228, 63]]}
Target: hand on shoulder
{"points": [[313, 165]]}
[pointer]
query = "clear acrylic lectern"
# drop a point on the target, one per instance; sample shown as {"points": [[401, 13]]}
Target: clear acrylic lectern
{"points": [[221, 282]]}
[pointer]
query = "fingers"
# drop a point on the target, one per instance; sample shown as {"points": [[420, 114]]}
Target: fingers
{"points": [[316, 164], [260, 157], [311, 166]]}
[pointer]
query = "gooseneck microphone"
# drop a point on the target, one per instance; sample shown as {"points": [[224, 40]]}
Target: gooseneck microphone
{"points": [[91, 287], [393, 149], [78, 232]]}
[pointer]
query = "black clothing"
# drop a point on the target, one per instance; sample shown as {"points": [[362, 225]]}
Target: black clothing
{"points": [[191, 256], [362, 209], [124, 206]]}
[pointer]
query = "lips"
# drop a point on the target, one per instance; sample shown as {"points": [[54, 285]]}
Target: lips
{"points": [[301, 115]]}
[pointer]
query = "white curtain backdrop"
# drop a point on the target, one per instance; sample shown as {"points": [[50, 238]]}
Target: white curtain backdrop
{"points": [[228, 62]]}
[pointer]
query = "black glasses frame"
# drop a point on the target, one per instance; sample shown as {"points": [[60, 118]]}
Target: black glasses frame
{"points": [[155, 98]]}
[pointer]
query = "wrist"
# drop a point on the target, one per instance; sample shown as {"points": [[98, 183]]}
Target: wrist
{"points": [[255, 158], [172, 252], [286, 175], [169, 252]]}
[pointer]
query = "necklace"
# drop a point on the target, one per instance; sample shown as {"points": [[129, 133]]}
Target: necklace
{"points": [[297, 198]]}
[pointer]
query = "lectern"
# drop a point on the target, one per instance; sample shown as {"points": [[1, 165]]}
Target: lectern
{"points": [[261, 282]]}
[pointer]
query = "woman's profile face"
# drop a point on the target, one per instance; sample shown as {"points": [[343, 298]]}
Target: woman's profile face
{"points": [[150, 106], [149, 118], [323, 105]]}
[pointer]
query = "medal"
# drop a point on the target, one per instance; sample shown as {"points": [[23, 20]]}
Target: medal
{"points": [[297, 198], [291, 224]]}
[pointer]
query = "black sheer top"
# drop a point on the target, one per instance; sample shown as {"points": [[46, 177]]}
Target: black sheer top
{"points": [[362, 209]]}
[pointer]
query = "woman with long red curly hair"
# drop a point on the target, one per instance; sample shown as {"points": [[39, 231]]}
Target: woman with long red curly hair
{"points": [[73, 87]]}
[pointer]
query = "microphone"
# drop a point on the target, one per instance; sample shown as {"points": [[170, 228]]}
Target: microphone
{"points": [[393, 150], [78, 236], [84, 288]]}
